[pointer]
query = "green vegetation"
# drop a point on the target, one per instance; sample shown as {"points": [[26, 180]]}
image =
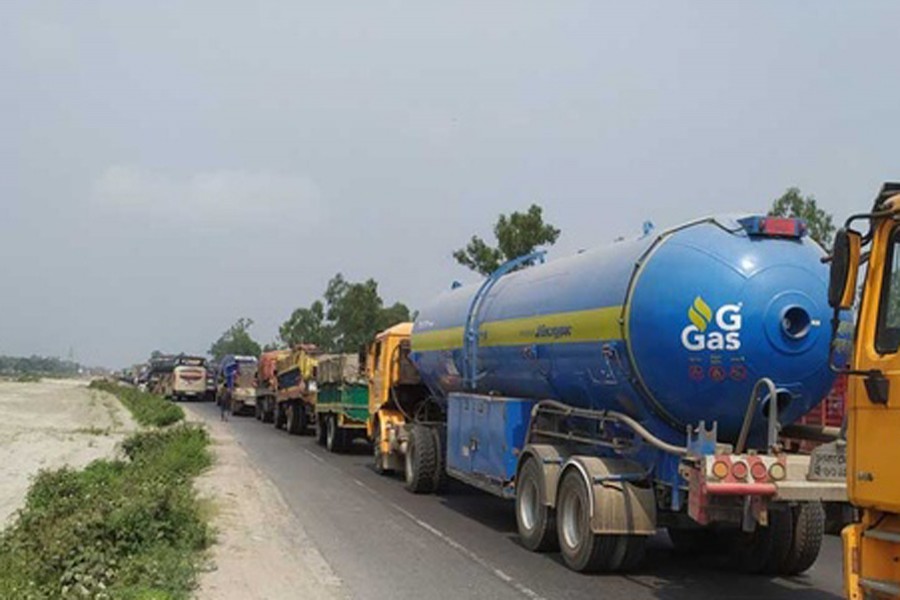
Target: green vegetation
{"points": [[517, 235], [147, 409], [235, 340], [129, 528], [793, 204], [350, 316]]}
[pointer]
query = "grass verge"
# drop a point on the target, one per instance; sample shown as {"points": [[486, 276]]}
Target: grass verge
{"points": [[130, 528], [147, 409]]}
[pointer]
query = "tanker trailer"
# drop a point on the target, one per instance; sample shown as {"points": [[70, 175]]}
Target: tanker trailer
{"points": [[643, 385]]}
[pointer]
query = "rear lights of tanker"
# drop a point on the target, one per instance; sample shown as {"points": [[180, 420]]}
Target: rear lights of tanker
{"points": [[741, 470]]}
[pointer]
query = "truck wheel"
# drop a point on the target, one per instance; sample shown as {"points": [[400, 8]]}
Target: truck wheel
{"points": [[808, 527], [279, 417], [421, 461], [693, 541], [334, 437], [320, 429], [536, 520], [296, 418], [763, 550], [377, 456], [442, 479], [582, 549]]}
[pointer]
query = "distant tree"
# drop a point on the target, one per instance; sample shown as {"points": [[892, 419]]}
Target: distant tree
{"points": [[793, 204], [156, 354], [517, 235], [350, 316], [355, 310], [307, 326], [235, 340], [390, 316]]}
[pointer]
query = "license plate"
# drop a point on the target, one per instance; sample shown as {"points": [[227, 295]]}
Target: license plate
{"points": [[829, 463]]}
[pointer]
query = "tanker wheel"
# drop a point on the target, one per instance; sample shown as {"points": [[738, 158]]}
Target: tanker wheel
{"points": [[763, 550], [442, 478], [421, 461], [536, 520], [582, 549], [694, 540], [808, 528], [334, 436]]}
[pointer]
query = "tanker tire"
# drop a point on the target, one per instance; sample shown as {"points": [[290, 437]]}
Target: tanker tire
{"points": [[334, 436], [808, 521], [693, 541], [583, 550], [421, 461], [759, 552], [536, 520], [442, 479]]}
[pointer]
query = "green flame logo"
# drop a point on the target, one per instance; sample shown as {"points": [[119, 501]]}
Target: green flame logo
{"points": [[700, 314]]}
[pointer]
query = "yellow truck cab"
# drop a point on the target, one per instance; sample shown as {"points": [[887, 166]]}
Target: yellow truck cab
{"points": [[872, 545], [400, 412]]}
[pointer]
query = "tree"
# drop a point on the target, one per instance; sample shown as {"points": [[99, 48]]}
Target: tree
{"points": [[793, 204], [517, 235], [350, 316], [235, 340], [307, 326]]}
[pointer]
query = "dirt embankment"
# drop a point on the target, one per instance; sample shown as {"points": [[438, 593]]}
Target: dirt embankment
{"points": [[50, 424], [262, 551]]}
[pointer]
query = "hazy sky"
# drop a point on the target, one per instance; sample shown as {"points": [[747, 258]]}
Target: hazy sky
{"points": [[167, 167]]}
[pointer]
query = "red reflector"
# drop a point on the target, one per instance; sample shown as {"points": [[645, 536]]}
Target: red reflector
{"points": [[776, 226], [758, 471]]}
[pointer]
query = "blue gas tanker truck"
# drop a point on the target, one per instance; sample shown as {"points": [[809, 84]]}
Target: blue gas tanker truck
{"points": [[640, 386]]}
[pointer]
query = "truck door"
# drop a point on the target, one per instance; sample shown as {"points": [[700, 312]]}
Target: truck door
{"points": [[874, 404]]}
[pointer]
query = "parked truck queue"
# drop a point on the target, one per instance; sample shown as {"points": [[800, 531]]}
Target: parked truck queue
{"points": [[659, 382]]}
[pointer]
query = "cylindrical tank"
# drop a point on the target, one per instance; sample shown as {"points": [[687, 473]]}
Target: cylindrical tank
{"points": [[672, 329]]}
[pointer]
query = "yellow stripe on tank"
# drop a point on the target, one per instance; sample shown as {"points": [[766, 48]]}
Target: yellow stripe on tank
{"points": [[556, 328]]}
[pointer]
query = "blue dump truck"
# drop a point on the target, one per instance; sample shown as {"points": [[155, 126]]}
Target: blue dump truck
{"points": [[640, 386]]}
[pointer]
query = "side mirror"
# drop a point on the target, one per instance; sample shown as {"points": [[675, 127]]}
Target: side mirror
{"points": [[844, 269]]}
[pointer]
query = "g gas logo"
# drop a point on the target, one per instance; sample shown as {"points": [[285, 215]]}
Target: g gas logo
{"points": [[699, 335]]}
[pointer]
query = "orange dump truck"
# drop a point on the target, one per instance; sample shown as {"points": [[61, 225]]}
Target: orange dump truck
{"points": [[268, 384]]}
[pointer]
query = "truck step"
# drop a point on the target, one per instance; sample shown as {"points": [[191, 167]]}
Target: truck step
{"points": [[880, 586], [882, 535]]}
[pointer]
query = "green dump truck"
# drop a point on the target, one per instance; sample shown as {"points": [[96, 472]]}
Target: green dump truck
{"points": [[342, 401]]}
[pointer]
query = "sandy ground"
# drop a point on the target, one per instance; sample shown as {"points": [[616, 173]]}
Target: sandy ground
{"points": [[262, 550], [50, 424]]}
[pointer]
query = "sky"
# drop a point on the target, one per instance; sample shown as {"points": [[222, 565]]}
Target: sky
{"points": [[168, 167]]}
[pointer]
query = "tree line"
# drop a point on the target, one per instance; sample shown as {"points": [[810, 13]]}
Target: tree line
{"points": [[349, 314], [38, 365]]}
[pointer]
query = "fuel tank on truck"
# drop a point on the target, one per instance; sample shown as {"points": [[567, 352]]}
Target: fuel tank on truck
{"points": [[672, 329]]}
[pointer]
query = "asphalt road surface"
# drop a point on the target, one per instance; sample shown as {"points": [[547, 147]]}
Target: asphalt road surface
{"points": [[385, 542]]}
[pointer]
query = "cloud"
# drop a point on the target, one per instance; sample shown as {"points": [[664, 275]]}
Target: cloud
{"points": [[220, 196]]}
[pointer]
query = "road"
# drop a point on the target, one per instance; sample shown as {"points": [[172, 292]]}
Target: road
{"points": [[384, 542]]}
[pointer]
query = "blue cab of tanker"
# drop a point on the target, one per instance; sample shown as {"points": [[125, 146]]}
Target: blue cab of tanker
{"points": [[672, 328]]}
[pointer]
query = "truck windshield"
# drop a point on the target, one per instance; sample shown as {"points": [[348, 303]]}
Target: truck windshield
{"points": [[887, 338]]}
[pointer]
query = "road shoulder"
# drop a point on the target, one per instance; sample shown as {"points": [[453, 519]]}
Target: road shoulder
{"points": [[262, 549]]}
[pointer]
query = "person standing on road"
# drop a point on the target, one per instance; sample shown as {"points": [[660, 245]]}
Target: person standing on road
{"points": [[225, 404]]}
